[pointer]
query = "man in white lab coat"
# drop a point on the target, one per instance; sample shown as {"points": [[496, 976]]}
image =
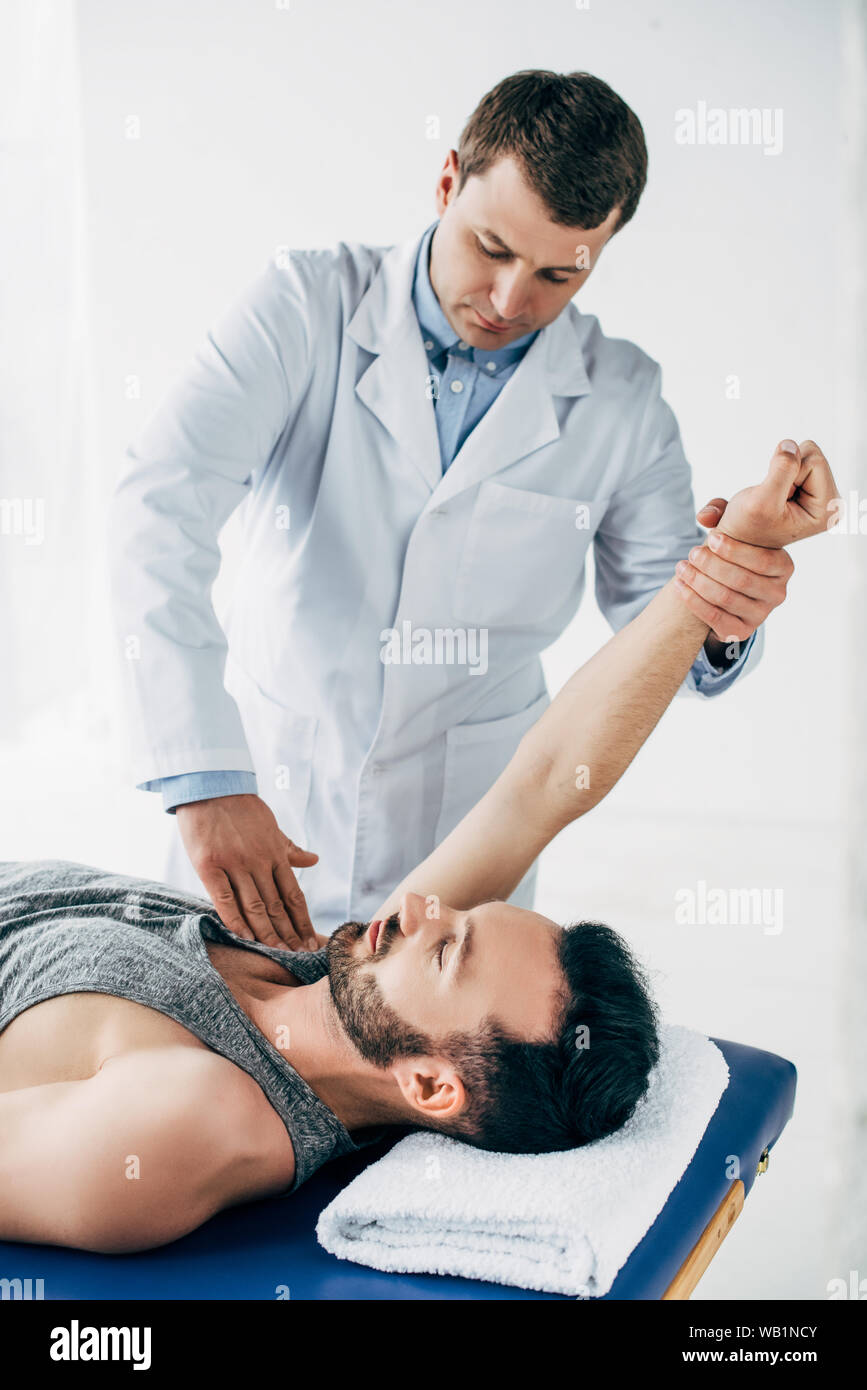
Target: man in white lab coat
{"points": [[425, 440]]}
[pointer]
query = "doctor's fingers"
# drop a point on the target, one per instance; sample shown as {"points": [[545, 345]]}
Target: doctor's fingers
{"points": [[710, 513], [219, 889], [723, 625], [769, 587], [296, 903], [758, 559], [260, 901], [728, 601]]}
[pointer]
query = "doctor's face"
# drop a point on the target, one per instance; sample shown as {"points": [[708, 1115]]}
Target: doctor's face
{"points": [[399, 985], [496, 256]]}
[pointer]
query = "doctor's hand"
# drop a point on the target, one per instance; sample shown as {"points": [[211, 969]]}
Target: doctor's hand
{"points": [[739, 575], [245, 863]]}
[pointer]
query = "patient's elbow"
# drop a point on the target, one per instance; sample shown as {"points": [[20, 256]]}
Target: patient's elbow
{"points": [[566, 792], [107, 1230]]}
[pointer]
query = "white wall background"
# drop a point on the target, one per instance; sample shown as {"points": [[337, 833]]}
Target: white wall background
{"points": [[306, 124]]}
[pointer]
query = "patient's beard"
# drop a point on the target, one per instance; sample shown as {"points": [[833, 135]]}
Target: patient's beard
{"points": [[372, 1025]]}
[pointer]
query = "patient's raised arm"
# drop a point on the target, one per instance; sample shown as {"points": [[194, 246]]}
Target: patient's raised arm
{"points": [[587, 737]]}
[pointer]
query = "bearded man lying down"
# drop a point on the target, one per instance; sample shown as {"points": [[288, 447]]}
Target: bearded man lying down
{"points": [[155, 1068]]}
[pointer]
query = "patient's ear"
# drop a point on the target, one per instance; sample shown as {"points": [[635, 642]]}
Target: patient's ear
{"points": [[430, 1086]]}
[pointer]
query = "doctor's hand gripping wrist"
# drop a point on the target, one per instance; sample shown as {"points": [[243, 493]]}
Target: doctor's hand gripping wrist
{"points": [[245, 863], [605, 712], [739, 575]]}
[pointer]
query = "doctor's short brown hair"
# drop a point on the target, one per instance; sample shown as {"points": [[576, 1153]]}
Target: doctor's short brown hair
{"points": [[579, 146]]}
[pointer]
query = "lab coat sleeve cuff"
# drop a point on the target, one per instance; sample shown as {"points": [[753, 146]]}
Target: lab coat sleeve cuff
{"points": [[707, 680], [201, 786]]}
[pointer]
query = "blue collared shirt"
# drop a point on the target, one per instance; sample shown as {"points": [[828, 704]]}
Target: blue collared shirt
{"points": [[465, 382]]}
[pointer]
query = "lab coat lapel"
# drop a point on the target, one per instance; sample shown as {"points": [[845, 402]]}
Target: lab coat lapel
{"points": [[522, 418], [396, 384]]}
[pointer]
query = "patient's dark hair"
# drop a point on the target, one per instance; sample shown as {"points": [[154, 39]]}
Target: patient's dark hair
{"points": [[578, 145], [535, 1097]]}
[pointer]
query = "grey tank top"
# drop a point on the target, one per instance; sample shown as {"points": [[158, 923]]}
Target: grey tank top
{"points": [[67, 928]]}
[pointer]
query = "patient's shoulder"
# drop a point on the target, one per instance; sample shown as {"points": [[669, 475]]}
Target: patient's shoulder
{"points": [[211, 1137], [218, 1110], [153, 1144]]}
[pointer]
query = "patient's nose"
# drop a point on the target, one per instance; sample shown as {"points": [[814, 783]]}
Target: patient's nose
{"points": [[416, 912]]}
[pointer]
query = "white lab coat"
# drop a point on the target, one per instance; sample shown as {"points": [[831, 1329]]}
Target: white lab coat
{"points": [[310, 404]]}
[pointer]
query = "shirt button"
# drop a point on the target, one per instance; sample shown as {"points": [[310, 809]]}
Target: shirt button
{"points": [[428, 342], [376, 767], [367, 886], [457, 387], [491, 366], [463, 346]]}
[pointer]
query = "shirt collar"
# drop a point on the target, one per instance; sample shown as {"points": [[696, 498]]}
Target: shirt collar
{"points": [[435, 327]]}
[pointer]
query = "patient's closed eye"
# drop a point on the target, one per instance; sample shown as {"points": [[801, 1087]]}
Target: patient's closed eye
{"points": [[436, 951]]}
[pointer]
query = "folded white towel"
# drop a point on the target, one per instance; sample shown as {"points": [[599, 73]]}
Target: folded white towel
{"points": [[559, 1222]]}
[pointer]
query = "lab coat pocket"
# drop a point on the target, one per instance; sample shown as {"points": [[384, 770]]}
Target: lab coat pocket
{"points": [[523, 557], [476, 754], [282, 743]]}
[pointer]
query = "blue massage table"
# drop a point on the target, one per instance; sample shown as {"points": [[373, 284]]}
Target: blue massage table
{"points": [[266, 1250]]}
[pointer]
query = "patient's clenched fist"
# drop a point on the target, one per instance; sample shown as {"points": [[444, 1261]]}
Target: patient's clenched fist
{"points": [[793, 502]]}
